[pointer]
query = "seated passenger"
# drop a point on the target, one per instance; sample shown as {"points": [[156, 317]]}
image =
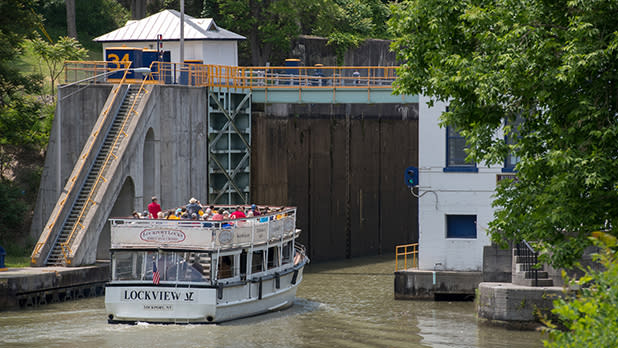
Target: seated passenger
{"points": [[226, 215], [193, 207], [238, 214], [217, 217]]}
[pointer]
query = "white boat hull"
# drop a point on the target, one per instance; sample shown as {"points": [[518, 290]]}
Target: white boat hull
{"points": [[168, 303]]}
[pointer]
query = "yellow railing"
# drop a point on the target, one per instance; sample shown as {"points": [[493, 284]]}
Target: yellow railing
{"points": [[403, 252], [248, 77], [66, 249]]}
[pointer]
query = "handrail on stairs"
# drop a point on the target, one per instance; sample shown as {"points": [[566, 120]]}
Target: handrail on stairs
{"points": [[530, 257], [65, 246], [49, 227]]}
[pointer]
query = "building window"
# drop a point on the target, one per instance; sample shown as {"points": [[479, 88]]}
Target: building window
{"points": [[461, 226], [510, 139], [456, 153]]}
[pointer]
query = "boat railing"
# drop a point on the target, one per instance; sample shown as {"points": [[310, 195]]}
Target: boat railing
{"points": [[203, 234]]}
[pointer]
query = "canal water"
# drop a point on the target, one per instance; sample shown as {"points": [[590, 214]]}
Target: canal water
{"points": [[340, 304]]}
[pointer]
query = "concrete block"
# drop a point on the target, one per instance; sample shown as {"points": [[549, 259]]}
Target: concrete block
{"points": [[497, 264], [426, 285], [514, 305]]}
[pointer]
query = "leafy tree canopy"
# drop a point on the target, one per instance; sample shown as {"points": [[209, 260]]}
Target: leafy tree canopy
{"points": [[54, 55], [554, 65], [589, 315]]}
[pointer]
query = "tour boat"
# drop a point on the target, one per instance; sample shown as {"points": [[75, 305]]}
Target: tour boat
{"points": [[196, 271]]}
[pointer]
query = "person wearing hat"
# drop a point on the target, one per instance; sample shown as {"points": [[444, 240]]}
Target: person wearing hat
{"points": [[254, 210], [154, 208], [193, 207]]}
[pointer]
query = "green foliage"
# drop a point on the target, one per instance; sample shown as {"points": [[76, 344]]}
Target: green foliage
{"points": [[346, 23], [554, 64], [589, 316], [269, 25], [12, 212], [92, 18], [54, 55], [24, 125]]}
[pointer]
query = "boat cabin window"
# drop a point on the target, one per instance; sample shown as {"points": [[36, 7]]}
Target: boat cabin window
{"points": [[171, 266], [273, 257], [257, 261], [226, 267], [287, 253]]}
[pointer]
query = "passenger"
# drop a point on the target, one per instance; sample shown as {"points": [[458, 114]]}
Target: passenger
{"points": [[178, 213], [135, 215], [217, 216], [250, 213], [226, 215], [172, 215], [154, 208], [255, 210], [193, 207], [160, 215], [184, 216], [194, 216], [145, 214], [238, 214], [207, 214], [356, 77]]}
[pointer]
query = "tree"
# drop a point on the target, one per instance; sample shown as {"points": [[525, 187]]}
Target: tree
{"points": [[552, 64], [71, 27], [269, 25], [54, 55], [23, 132], [346, 23], [589, 315]]}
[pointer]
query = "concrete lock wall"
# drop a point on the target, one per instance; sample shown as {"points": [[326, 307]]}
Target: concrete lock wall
{"points": [[343, 167], [78, 109]]}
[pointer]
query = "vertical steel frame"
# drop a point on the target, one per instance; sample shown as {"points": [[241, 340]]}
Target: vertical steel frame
{"points": [[229, 145]]}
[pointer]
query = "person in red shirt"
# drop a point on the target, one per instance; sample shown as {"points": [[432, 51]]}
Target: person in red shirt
{"points": [[154, 208], [238, 214]]}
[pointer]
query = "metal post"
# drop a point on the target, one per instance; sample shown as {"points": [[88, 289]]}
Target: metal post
{"points": [[59, 142], [182, 31]]}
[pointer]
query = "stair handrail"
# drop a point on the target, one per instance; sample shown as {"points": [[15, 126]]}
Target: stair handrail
{"points": [[531, 259], [60, 203], [65, 247]]}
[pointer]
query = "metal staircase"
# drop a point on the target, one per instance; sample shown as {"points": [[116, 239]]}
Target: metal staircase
{"points": [[83, 203], [526, 270]]}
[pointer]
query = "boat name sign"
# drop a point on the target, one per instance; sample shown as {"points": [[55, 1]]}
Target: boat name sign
{"points": [[129, 295], [162, 236]]}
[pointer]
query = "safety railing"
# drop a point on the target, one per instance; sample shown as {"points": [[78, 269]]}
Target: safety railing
{"points": [[249, 77], [49, 227], [529, 259], [66, 249], [405, 252]]}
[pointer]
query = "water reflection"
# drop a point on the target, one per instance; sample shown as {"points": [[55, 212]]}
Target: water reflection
{"points": [[340, 304]]}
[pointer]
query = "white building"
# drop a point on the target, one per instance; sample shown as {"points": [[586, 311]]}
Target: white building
{"points": [[455, 197], [203, 39]]}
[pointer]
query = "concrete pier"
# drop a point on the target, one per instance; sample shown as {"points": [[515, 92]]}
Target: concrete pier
{"points": [[36, 286], [413, 284], [515, 306]]}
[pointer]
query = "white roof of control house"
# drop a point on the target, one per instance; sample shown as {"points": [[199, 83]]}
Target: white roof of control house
{"points": [[167, 23]]}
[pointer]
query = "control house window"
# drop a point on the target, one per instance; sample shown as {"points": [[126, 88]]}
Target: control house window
{"points": [[461, 226], [511, 158], [456, 153]]}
